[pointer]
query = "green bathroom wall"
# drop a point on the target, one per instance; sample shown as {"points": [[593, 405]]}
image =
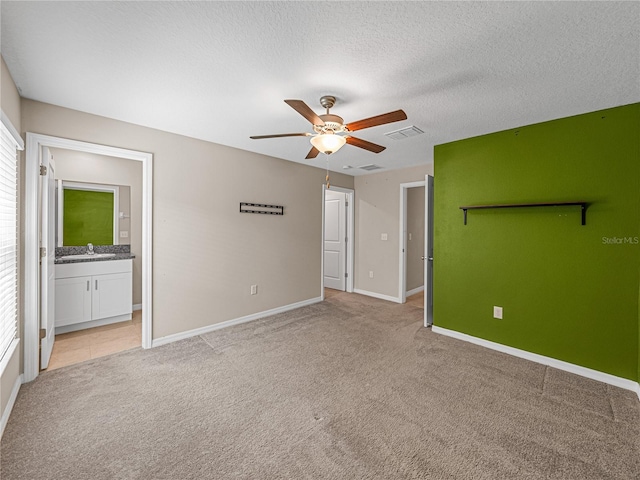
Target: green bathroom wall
{"points": [[568, 291], [88, 217]]}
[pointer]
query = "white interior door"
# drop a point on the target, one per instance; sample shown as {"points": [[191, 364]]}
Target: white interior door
{"points": [[335, 238], [428, 251], [47, 256]]}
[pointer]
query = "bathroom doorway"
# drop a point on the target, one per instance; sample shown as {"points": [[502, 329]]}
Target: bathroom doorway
{"points": [[84, 181], [32, 325]]}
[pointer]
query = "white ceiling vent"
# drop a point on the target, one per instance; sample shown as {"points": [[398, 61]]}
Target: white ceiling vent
{"points": [[371, 166], [403, 133]]}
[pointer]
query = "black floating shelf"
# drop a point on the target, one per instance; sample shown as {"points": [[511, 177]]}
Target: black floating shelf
{"points": [[261, 208], [582, 205]]}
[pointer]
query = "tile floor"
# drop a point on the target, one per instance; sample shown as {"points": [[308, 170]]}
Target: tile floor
{"points": [[79, 346], [416, 300]]}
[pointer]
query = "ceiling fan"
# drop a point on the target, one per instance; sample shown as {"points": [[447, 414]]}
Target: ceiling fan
{"points": [[331, 133]]}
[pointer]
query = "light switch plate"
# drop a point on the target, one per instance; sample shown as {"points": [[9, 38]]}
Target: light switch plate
{"points": [[497, 313], [383, 236]]}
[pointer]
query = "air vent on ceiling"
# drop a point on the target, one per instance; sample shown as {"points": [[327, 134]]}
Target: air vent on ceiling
{"points": [[371, 166], [403, 133]]}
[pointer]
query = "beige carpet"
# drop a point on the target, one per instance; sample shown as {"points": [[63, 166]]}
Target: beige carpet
{"points": [[351, 388]]}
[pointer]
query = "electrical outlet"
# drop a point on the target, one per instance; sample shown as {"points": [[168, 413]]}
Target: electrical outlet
{"points": [[383, 236], [409, 235], [124, 234], [254, 289], [497, 313], [371, 274]]}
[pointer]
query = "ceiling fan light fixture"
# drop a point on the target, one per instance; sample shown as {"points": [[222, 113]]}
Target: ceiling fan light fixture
{"points": [[328, 143]]}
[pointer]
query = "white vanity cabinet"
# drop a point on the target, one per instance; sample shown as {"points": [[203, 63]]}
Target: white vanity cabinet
{"points": [[93, 293]]}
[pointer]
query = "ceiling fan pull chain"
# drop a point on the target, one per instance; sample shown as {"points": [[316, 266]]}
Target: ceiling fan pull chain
{"points": [[327, 177]]}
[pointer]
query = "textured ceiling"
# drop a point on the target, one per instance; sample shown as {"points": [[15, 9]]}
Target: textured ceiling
{"points": [[219, 71]]}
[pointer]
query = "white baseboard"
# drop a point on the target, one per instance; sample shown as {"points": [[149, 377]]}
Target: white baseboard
{"points": [[236, 321], [12, 400], [381, 296], [415, 290], [551, 362], [93, 323], [137, 306]]}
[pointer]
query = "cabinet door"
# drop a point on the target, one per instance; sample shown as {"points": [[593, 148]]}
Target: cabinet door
{"points": [[111, 295], [73, 300]]}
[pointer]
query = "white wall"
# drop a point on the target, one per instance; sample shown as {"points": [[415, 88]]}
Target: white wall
{"points": [[377, 212]]}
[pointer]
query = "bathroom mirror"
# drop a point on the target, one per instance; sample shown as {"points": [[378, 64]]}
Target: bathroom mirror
{"points": [[92, 213]]}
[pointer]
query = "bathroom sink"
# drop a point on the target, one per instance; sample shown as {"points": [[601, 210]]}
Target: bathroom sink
{"points": [[86, 256]]}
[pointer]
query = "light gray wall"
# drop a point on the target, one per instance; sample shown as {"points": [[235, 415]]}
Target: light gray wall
{"points": [[10, 98], [377, 212], [85, 167], [415, 245], [206, 254], [10, 104]]}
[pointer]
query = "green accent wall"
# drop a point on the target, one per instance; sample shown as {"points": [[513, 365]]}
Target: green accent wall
{"points": [[88, 217], [568, 291]]}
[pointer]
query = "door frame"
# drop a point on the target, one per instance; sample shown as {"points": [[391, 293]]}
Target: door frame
{"points": [[402, 265], [428, 249], [350, 250], [35, 142]]}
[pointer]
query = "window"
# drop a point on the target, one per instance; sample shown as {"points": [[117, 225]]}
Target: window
{"points": [[8, 237]]}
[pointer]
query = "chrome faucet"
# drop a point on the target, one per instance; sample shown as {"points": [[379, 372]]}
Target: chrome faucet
{"points": [[90, 249]]}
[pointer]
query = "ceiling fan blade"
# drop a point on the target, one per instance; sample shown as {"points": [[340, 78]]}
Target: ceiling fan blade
{"points": [[313, 153], [377, 120], [258, 137], [304, 110], [358, 142]]}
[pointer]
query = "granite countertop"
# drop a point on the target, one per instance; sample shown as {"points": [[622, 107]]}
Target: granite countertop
{"points": [[117, 256], [122, 252]]}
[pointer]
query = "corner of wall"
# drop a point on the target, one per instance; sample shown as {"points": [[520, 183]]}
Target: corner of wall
{"points": [[376, 213], [10, 100]]}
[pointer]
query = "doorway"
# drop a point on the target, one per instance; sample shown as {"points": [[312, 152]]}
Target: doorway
{"points": [[337, 239], [425, 259], [412, 238], [36, 145]]}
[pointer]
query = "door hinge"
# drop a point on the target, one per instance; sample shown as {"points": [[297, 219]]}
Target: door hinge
{"points": [[43, 252], [43, 333], [346, 275], [346, 204], [346, 239], [43, 170]]}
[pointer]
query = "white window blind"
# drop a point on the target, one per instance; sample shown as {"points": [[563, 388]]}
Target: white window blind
{"points": [[8, 240]]}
